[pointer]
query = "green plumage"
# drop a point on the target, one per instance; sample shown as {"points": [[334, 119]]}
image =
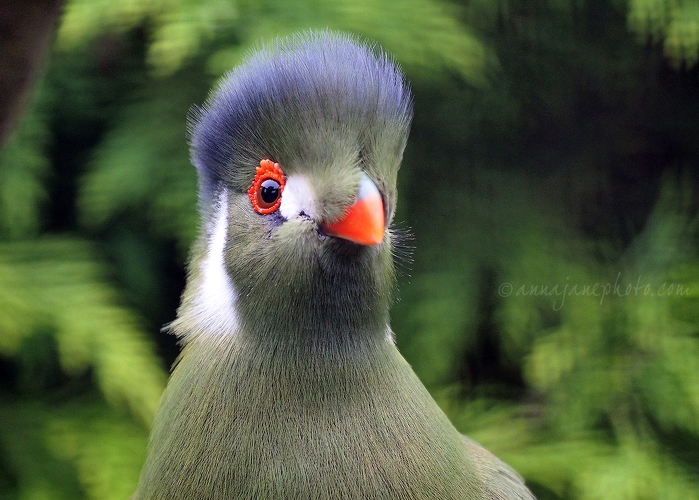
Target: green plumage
{"points": [[280, 422], [289, 384]]}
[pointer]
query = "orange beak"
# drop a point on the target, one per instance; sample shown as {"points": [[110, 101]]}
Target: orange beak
{"points": [[364, 221]]}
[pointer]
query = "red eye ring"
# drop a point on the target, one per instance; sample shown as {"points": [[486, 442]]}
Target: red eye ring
{"points": [[267, 187]]}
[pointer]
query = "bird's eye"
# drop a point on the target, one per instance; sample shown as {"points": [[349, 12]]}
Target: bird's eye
{"points": [[266, 190]]}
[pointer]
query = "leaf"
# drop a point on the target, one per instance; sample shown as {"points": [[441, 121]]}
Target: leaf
{"points": [[673, 23], [145, 170], [58, 282], [23, 169], [423, 34], [107, 449], [82, 449], [179, 26]]}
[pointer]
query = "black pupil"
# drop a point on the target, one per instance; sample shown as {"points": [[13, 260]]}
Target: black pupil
{"points": [[269, 190]]}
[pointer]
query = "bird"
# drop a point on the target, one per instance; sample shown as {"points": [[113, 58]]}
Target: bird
{"points": [[289, 384]]}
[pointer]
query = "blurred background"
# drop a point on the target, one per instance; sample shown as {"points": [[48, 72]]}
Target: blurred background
{"points": [[549, 294]]}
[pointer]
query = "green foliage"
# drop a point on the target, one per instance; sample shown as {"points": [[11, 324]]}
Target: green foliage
{"points": [[139, 168], [24, 167], [107, 450], [547, 156], [70, 450], [62, 323], [53, 293], [415, 31], [56, 284], [624, 360], [674, 23], [178, 27]]}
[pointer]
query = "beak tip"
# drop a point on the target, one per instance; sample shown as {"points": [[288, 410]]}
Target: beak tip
{"points": [[364, 221]]}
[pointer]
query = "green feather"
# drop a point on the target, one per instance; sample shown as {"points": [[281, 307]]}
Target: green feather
{"points": [[289, 384], [275, 421]]}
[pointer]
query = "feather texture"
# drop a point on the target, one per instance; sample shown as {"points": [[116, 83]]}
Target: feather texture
{"points": [[289, 384], [311, 97]]}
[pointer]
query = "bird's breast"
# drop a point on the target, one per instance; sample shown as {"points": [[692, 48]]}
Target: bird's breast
{"points": [[277, 424]]}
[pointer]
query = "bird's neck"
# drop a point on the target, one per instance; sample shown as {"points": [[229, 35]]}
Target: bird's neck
{"points": [[330, 311], [346, 303]]}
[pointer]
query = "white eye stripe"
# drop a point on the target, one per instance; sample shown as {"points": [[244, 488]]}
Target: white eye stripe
{"points": [[297, 198]]}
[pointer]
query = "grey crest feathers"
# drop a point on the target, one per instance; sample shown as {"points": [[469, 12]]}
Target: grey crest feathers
{"points": [[285, 97]]}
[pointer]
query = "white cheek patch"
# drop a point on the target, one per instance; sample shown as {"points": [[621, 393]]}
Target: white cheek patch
{"points": [[297, 198], [214, 308]]}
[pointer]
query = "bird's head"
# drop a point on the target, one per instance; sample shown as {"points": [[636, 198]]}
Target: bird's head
{"points": [[298, 151]]}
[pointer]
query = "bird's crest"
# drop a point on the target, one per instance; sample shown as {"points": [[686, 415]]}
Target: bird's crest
{"points": [[286, 96]]}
